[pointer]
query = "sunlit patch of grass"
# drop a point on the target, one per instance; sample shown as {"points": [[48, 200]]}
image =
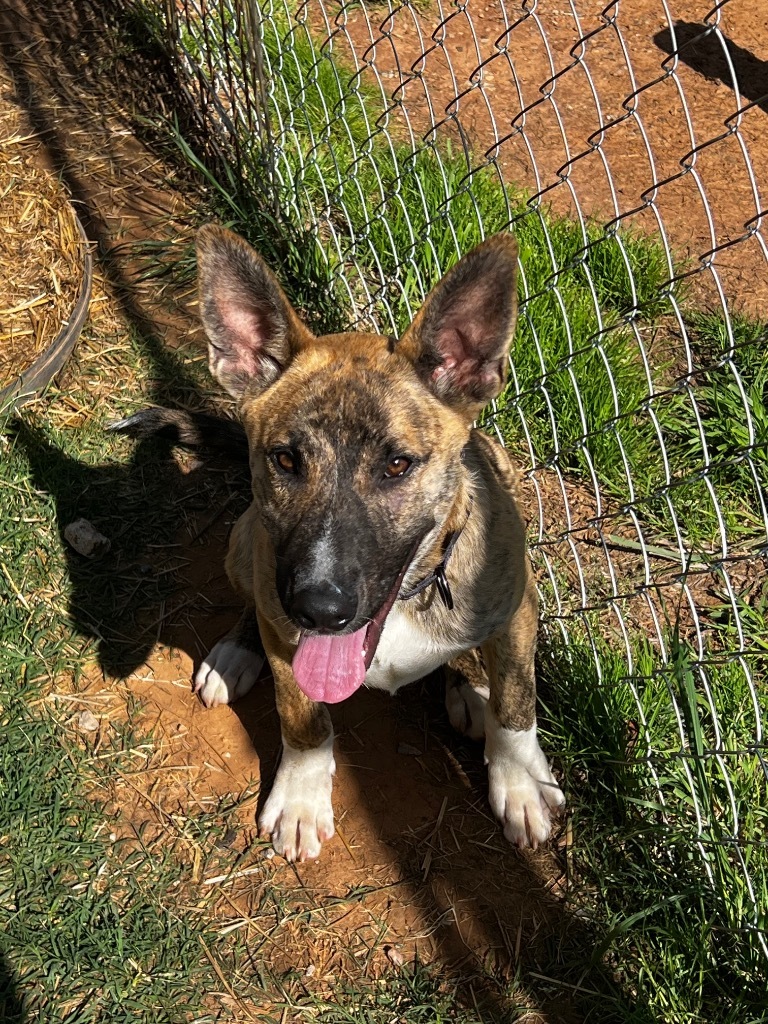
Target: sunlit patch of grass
{"points": [[414, 994], [668, 794]]}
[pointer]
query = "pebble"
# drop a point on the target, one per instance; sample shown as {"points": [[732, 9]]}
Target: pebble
{"points": [[86, 539], [406, 748], [87, 722]]}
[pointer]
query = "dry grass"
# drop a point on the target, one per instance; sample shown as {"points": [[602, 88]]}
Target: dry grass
{"points": [[40, 247]]}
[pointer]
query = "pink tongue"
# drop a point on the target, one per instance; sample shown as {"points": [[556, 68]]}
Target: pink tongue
{"points": [[330, 668]]}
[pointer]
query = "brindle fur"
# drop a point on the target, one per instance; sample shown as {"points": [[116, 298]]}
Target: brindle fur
{"points": [[347, 403]]}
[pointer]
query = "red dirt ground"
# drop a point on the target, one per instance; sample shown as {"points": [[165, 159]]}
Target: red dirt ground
{"points": [[571, 139]]}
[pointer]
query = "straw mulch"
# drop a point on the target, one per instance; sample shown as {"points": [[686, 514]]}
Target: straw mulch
{"points": [[41, 259]]}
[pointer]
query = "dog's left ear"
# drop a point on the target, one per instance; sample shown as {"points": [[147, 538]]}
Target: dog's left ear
{"points": [[460, 338]]}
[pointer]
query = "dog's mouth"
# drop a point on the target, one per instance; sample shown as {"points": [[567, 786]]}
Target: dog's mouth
{"points": [[329, 667]]}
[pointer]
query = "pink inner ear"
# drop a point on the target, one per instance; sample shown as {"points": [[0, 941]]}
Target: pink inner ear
{"points": [[247, 327], [465, 364], [459, 365], [448, 364], [463, 334]]}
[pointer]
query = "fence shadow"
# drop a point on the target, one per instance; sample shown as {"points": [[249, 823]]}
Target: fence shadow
{"points": [[11, 1006], [57, 55], [702, 51]]}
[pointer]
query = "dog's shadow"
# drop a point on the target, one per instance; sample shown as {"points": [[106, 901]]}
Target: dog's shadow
{"points": [[153, 510]]}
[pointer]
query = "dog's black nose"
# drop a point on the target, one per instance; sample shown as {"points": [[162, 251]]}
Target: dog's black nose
{"points": [[324, 606]]}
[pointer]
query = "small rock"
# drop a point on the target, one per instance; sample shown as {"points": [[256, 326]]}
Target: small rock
{"points": [[394, 955], [406, 748], [86, 539], [310, 971], [87, 722]]}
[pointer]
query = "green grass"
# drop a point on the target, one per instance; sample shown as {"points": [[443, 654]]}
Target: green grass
{"points": [[643, 789], [92, 931], [415, 994], [731, 390]]}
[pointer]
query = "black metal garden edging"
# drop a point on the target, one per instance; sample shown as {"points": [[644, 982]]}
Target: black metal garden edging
{"points": [[31, 381]]}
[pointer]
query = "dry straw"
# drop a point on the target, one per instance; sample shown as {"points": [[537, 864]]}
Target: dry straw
{"points": [[41, 250]]}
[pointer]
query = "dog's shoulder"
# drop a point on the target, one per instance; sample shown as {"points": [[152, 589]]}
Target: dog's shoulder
{"points": [[485, 455]]}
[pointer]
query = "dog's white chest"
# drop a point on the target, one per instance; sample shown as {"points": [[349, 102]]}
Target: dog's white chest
{"points": [[405, 653]]}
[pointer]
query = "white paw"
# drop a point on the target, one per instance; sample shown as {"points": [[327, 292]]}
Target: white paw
{"points": [[466, 709], [298, 814], [522, 790], [227, 673]]}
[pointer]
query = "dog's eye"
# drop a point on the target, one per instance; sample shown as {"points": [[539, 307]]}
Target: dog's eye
{"points": [[398, 466], [285, 461]]}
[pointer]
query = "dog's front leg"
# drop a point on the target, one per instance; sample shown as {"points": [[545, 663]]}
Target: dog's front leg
{"points": [[522, 790], [298, 814], [233, 664]]}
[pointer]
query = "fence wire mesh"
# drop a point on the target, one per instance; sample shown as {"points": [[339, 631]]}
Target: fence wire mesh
{"points": [[624, 145]]}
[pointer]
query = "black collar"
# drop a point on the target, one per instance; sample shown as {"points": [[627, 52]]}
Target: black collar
{"points": [[437, 576]]}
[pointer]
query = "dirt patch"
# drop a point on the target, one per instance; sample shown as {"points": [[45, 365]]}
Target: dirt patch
{"points": [[418, 869]]}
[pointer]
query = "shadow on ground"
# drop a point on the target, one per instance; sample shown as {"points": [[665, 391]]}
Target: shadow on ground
{"points": [[701, 48], [11, 1008], [163, 580], [125, 599]]}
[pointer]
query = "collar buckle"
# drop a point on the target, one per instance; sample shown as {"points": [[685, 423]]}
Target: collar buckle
{"points": [[443, 587]]}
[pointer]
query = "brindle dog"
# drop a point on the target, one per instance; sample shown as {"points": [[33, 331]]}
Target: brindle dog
{"points": [[369, 479]]}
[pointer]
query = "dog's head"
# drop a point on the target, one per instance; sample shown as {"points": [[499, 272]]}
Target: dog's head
{"points": [[355, 440]]}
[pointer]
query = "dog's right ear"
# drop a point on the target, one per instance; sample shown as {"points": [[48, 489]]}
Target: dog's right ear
{"points": [[460, 338], [253, 331]]}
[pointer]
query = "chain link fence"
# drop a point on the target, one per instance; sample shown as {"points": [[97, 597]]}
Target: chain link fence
{"points": [[624, 145]]}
